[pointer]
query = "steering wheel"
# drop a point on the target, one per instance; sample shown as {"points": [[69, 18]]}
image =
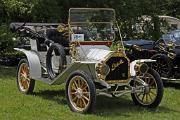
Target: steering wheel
{"points": [[62, 27]]}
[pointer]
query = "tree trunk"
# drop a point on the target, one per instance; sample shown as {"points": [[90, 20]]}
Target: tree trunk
{"points": [[156, 34]]}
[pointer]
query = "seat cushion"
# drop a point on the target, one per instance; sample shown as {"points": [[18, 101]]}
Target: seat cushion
{"points": [[57, 37]]}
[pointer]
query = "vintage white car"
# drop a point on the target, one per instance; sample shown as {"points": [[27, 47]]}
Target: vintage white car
{"points": [[84, 61]]}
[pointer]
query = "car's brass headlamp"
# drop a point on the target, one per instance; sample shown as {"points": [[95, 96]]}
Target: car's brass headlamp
{"points": [[141, 67]]}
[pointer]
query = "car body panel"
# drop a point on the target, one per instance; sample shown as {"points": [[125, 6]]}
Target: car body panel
{"points": [[34, 63]]}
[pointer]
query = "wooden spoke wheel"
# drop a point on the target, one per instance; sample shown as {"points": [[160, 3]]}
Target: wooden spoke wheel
{"points": [[151, 97], [24, 82], [80, 92]]}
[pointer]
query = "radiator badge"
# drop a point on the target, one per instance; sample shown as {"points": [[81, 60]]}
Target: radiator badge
{"points": [[115, 65]]}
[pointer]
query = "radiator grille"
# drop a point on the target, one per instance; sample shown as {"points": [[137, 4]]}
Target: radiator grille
{"points": [[118, 69]]}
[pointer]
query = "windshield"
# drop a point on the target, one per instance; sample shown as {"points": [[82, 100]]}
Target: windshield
{"points": [[173, 36], [87, 24]]}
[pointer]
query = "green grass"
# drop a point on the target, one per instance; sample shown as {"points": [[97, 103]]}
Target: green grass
{"points": [[49, 103]]}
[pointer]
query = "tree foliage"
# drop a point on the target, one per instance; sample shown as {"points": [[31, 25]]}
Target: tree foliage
{"points": [[128, 13]]}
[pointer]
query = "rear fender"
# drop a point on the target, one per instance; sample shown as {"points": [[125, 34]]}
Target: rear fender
{"points": [[34, 63]]}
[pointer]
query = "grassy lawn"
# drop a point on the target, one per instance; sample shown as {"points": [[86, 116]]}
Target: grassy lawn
{"points": [[49, 103]]}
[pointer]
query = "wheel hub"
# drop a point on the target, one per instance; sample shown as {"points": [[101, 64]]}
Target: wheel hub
{"points": [[24, 77], [146, 89], [79, 93]]}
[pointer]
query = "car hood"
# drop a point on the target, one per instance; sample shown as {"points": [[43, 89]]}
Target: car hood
{"points": [[97, 54], [138, 42]]}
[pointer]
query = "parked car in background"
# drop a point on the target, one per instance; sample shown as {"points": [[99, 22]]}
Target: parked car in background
{"points": [[139, 49], [165, 51]]}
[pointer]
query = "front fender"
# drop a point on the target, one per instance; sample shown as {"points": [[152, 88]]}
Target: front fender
{"points": [[87, 67], [133, 63], [34, 63]]}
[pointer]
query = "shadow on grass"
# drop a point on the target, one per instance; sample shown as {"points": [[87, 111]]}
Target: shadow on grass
{"points": [[53, 95], [123, 106], [175, 85], [105, 106]]}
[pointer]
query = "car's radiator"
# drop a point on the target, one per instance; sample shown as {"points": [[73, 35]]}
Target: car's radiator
{"points": [[118, 69]]}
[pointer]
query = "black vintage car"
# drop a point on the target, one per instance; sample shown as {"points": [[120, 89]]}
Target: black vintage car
{"points": [[165, 51], [139, 49]]}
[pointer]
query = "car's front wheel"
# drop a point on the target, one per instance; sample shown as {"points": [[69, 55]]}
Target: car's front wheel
{"points": [[80, 92], [152, 97]]}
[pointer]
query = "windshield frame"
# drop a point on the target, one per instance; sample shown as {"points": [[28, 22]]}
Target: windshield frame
{"points": [[112, 22]]}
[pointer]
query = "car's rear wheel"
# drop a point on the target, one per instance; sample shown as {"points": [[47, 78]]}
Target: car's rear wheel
{"points": [[24, 82], [80, 92], [152, 97]]}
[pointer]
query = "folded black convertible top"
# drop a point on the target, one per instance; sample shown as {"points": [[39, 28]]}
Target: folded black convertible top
{"points": [[36, 24], [15, 25]]}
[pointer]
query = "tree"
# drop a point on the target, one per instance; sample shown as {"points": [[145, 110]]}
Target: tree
{"points": [[128, 12], [18, 10]]}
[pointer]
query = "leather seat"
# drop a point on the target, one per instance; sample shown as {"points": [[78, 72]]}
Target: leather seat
{"points": [[57, 37]]}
